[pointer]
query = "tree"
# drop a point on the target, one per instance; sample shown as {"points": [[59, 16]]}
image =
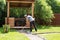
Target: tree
{"points": [[55, 4], [43, 11], [2, 11]]}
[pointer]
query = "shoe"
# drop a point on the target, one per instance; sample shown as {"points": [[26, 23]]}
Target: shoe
{"points": [[36, 30]]}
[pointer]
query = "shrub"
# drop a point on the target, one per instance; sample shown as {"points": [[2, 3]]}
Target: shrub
{"points": [[6, 28], [43, 11]]}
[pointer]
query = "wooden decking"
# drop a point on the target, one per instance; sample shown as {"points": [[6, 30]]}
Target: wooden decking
{"points": [[20, 27]]}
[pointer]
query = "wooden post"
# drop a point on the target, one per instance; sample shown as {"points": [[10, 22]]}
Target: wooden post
{"points": [[32, 9], [7, 9], [7, 12]]}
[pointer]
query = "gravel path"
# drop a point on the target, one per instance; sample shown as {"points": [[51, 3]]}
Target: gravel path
{"points": [[34, 37], [31, 36]]}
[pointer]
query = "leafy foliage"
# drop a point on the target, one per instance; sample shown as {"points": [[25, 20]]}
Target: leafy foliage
{"points": [[2, 11], [55, 4], [18, 12], [43, 11], [6, 28]]}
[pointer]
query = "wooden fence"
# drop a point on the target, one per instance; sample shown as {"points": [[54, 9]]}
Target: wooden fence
{"points": [[56, 20]]}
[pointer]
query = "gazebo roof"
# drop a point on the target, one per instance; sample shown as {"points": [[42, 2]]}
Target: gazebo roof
{"points": [[20, 3], [21, 0]]}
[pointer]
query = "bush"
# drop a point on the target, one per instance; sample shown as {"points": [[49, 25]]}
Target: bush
{"points": [[55, 4], [43, 11], [6, 28]]}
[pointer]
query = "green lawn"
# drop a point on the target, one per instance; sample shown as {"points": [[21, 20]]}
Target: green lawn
{"points": [[43, 29], [51, 36], [12, 35]]}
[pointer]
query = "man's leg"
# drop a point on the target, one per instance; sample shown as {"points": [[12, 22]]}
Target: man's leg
{"points": [[30, 26], [34, 26]]}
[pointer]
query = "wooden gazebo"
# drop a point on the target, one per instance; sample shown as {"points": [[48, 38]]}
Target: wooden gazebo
{"points": [[18, 3]]}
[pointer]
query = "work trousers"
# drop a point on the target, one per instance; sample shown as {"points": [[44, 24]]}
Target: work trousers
{"points": [[32, 23]]}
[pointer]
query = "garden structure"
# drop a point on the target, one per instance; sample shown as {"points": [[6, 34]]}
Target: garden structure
{"points": [[18, 3]]}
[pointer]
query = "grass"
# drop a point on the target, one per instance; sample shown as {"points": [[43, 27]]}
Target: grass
{"points": [[43, 29], [51, 36], [12, 35]]}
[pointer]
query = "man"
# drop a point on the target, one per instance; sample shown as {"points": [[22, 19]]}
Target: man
{"points": [[32, 22]]}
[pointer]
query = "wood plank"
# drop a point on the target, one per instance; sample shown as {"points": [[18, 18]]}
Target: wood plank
{"points": [[19, 2], [8, 7], [11, 21], [20, 27], [32, 9]]}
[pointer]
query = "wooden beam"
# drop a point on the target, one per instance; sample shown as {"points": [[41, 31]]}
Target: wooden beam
{"points": [[32, 9], [8, 9], [20, 27], [8, 13], [19, 2]]}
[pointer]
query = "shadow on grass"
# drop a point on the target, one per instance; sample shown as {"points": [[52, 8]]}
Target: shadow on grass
{"points": [[43, 27], [12, 30]]}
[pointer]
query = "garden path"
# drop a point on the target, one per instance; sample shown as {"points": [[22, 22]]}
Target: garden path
{"points": [[31, 36]]}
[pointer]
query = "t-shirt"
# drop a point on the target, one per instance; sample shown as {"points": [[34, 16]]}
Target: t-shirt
{"points": [[30, 18]]}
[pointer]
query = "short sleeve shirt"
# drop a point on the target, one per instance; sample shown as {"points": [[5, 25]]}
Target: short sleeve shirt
{"points": [[30, 18]]}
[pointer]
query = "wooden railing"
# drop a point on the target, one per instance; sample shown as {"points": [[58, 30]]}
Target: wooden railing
{"points": [[20, 21]]}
